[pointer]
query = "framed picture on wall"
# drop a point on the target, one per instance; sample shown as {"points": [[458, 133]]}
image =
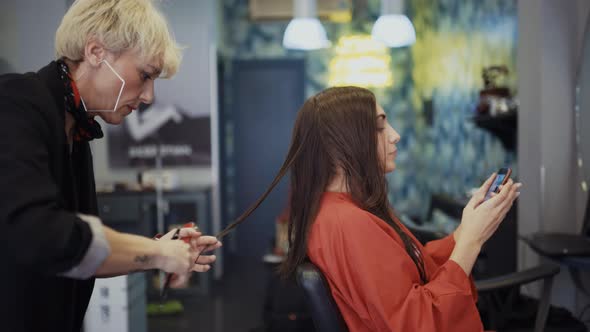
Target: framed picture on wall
{"points": [[178, 122]]}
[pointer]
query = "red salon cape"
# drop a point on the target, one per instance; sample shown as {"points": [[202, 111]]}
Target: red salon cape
{"points": [[376, 284]]}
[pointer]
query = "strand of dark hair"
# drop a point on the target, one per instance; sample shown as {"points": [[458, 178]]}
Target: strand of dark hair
{"points": [[297, 142]]}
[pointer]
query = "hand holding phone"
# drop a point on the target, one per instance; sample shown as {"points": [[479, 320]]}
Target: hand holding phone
{"points": [[500, 180]]}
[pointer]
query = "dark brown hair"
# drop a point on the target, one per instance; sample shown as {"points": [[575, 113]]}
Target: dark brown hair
{"points": [[335, 128]]}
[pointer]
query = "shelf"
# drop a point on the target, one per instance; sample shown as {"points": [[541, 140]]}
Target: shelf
{"points": [[503, 126]]}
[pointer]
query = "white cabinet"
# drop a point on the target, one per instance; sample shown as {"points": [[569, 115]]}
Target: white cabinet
{"points": [[117, 305]]}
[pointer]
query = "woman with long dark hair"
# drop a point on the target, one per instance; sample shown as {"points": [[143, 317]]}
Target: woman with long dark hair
{"points": [[381, 277]]}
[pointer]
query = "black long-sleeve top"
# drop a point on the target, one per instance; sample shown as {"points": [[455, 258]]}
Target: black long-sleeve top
{"points": [[44, 187]]}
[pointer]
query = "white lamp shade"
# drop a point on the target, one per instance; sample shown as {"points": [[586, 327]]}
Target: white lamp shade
{"points": [[394, 30], [305, 33]]}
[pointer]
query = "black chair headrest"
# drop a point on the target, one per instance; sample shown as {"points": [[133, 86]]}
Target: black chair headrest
{"points": [[324, 311]]}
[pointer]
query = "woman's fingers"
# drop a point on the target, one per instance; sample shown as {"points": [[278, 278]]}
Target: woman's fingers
{"points": [[498, 199], [486, 185], [189, 232], [206, 240], [210, 247], [201, 268], [206, 259], [480, 194], [512, 195]]}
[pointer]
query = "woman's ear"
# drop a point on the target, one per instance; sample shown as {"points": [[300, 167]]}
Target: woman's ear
{"points": [[94, 52]]}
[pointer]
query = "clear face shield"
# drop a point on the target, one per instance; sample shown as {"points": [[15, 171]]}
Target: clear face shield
{"points": [[118, 97]]}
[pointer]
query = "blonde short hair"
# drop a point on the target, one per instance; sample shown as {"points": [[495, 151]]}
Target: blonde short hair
{"points": [[120, 25]]}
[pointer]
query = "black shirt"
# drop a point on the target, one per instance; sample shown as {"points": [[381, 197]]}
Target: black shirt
{"points": [[42, 186]]}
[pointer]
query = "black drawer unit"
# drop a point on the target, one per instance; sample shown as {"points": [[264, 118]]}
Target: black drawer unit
{"points": [[135, 212]]}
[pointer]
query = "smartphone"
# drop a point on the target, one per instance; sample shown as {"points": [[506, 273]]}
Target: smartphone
{"points": [[501, 179]]}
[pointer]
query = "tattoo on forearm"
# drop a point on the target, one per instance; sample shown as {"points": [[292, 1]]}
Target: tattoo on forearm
{"points": [[145, 259]]}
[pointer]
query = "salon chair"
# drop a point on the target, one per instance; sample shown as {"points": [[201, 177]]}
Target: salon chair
{"points": [[571, 251], [324, 311], [327, 318]]}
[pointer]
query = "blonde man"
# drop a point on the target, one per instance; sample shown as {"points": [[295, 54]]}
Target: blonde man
{"points": [[109, 52]]}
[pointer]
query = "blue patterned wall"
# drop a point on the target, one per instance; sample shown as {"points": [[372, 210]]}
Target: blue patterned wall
{"points": [[455, 40]]}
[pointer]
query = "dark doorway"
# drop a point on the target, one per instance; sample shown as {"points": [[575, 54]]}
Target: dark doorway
{"points": [[265, 96]]}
